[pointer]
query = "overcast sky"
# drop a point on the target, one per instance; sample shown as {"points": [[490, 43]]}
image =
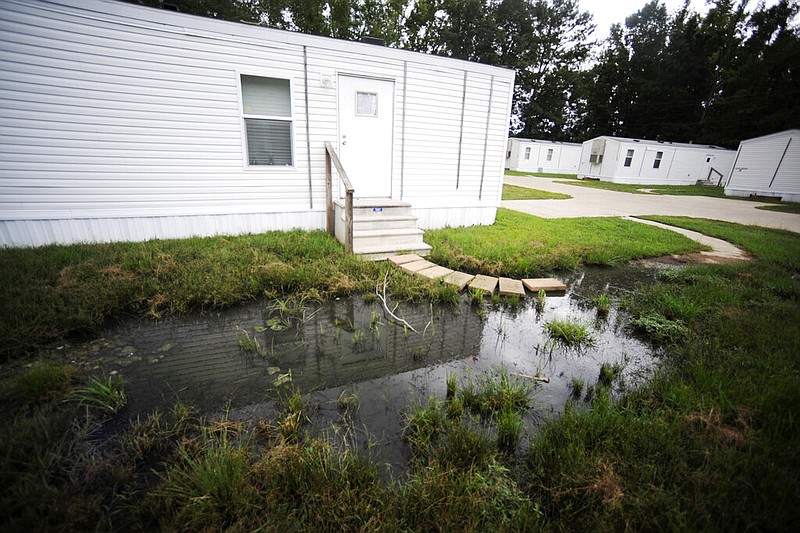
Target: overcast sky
{"points": [[607, 12]]}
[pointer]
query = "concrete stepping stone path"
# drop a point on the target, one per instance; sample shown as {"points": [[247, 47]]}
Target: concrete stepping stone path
{"points": [[508, 287]]}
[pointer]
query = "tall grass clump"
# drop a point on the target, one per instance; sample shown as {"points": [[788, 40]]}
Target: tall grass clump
{"points": [[44, 383], [209, 486], [509, 430], [104, 395], [569, 333], [495, 393]]}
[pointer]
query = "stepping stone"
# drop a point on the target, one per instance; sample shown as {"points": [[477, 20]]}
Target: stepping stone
{"points": [[483, 283], [434, 272], [459, 279], [544, 284], [403, 259], [511, 287], [416, 266]]}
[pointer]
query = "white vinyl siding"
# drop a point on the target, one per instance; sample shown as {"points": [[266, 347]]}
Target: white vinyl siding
{"points": [[116, 111]]}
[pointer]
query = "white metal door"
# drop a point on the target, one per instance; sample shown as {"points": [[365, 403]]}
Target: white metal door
{"points": [[366, 119]]}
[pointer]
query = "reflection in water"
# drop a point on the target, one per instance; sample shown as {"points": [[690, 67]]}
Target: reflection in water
{"points": [[348, 344]]}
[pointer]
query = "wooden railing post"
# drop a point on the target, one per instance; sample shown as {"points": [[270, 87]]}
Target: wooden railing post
{"points": [[329, 195], [332, 158], [348, 221]]}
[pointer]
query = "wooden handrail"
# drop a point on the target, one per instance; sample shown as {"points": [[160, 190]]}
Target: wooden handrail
{"points": [[330, 156]]}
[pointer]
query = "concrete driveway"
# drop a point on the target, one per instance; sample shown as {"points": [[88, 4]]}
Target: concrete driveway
{"points": [[588, 202]]}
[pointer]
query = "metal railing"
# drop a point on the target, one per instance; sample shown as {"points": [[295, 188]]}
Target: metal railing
{"points": [[330, 156]]}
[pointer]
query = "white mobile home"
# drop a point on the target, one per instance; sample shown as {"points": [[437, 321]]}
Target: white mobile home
{"points": [[123, 122], [536, 155], [767, 166], [622, 160]]}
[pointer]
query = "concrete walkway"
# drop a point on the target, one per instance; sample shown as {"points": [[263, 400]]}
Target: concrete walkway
{"points": [[588, 202]]}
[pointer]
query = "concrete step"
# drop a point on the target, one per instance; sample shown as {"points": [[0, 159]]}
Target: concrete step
{"points": [[400, 239], [378, 253], [377, 207], [366, 223]]}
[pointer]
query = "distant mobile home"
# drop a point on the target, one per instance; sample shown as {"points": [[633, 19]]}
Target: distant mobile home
{"points": [[622, 160], [120, 122], [767, 166], [536, 155]]}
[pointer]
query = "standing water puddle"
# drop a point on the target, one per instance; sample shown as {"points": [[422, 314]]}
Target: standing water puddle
{"points": [[237, 359]]}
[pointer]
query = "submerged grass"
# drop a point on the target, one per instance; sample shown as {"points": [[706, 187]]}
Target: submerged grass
{"points": [[569, 332], [515, 192], [520, 245]]}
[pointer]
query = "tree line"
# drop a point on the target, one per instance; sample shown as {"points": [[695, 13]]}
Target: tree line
{"points": [[718, 78]]}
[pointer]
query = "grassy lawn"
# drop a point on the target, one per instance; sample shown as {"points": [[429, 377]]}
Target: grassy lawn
{"points": [[520, 245], [786, 207], [539, 174], [709, 444], [676, 190], [514, 192]]}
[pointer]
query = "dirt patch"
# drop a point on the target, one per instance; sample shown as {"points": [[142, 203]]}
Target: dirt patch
{"points": [[695, 258]]}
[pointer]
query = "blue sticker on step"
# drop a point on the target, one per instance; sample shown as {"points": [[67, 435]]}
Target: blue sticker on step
{"points": [[377, 209]]}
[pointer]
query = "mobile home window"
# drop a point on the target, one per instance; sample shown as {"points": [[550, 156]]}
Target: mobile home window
{"points": [[629, 158], [267, 113], [527, 152], [657, 161], [549, 154]]}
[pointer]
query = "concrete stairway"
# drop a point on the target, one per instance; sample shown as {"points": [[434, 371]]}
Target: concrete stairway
{"points": [[382, 227]]}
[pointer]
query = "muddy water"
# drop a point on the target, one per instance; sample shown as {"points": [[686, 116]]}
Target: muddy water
{"points": [[348, 345]]}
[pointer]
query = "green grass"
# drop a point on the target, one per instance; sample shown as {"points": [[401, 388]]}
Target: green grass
{"points": [[53, 291], [786, 207], [44, 383], [675, 190], [569, 332], [520, 245], [708, 444], [514, 192], [104, 395], [540, 174]]}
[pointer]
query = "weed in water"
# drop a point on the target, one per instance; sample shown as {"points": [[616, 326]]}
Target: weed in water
{"points": [[424, 423], [509, 430], [247, 342], [541, 300], [512, 301], [476, 296], [452, 381], [577, 387], [358, 339], [106, 395], [496, 393], [608, 374], [569, 333], [348, 401], [603, 303], [45, 383], [293, 416]]}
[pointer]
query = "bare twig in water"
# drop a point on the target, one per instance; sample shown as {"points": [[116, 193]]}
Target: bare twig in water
{"points": [[387, 312], [535, 378]]}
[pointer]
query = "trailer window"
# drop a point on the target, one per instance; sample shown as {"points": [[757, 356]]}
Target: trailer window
{"points": [[657, 161], [527, 152], [549, 154], [629, 158], [267, 114]]}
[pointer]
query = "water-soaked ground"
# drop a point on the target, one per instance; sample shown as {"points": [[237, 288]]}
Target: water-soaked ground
{"points": [[237, 359]]}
